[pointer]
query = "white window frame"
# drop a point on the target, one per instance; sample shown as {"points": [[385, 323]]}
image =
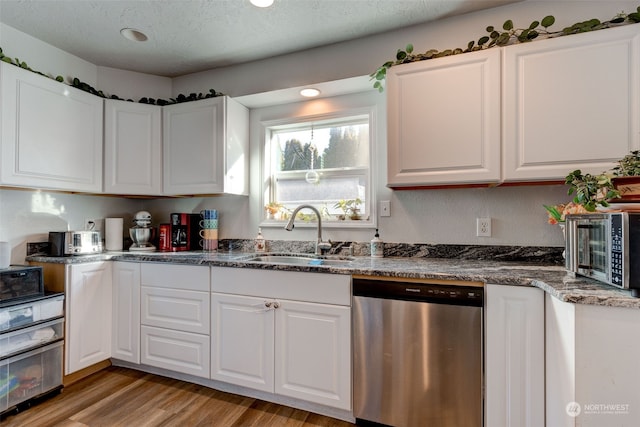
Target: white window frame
{"points": [[335, 114]]}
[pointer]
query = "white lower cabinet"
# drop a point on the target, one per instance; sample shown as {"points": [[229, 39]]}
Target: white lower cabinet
{"points": [[591, 352], [175, 318], [283, 332], [243, 341], [514, 356], [175, 350], [311, 352], [125, 340], [88, 314]]}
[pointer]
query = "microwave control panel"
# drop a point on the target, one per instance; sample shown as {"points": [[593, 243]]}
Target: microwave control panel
{"points": [[617, 250]]}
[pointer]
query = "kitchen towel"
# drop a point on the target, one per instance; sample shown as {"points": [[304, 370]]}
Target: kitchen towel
{"points": [[113, 234]]}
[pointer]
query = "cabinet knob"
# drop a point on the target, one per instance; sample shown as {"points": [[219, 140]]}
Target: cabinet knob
{"points": [[272, 304]]}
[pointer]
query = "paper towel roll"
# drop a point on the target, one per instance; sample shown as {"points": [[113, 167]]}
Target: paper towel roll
{"points": [[113, 234], [5, 254]]}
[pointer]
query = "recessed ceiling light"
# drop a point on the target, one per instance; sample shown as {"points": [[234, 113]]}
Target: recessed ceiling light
{"points": [[310, 92], [262, 3], [133, 35]]}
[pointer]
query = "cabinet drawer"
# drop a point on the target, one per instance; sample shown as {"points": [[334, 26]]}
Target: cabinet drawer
{"points": [[178, 351], [30, 374], [187, 311], [195, 278], [18, 341], [312, 287]]}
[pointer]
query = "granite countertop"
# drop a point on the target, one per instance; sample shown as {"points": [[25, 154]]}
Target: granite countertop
{"points": [[553, 279]]}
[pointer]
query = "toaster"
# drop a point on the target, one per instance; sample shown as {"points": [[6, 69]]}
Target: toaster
{"points": [[62, 243]]}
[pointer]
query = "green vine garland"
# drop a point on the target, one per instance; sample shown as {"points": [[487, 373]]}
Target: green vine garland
{"points": [[75, 82], [508, 36]]}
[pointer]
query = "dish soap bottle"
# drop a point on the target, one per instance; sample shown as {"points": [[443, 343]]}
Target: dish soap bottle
{"points": [[260, 245], [377, 246]]}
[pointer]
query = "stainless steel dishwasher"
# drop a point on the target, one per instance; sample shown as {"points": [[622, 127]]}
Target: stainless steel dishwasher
{"points": [[418, 353]]}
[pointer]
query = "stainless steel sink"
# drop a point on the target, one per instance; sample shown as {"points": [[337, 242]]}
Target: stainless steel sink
{"points": [[300, 260]]}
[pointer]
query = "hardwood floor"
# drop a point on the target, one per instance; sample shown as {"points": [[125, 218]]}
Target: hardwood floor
{"points": [[125, 397]]}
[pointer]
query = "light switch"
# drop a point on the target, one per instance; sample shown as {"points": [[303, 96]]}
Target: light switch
{"points": [[385, 208]]}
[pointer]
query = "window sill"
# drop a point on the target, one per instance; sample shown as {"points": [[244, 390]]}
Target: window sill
{"points": [[338, 224]]}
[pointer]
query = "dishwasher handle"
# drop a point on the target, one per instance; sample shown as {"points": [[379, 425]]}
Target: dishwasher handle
{"points": [[466, 295]]}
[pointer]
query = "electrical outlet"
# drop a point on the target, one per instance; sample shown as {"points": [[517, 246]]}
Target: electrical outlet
{"points": [[385, 208], [89, 224], [483, 227], [94, 224]]}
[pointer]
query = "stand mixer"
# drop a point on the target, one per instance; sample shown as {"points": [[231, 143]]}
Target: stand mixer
{"points": [[142, 232]]}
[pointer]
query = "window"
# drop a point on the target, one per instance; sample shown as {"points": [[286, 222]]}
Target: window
{"points": [[324, 162]]}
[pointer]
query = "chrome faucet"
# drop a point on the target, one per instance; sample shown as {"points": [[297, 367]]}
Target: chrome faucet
{"points": [[320, 245]]}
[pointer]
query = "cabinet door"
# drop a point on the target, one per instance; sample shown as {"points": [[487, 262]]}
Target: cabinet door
{"points": [[193, 147], [175, 350], [313, 353], [88, 317], [571, 103], [125, 342], [51, 133], [444, 121], [514, 362], [132, 148], [242, 341]]}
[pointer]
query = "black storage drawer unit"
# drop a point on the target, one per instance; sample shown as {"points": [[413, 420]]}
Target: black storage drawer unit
{"points": [[20, 282]]}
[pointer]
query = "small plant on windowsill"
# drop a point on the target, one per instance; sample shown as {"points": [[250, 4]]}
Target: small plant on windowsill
{"points": [[273, 209], [350, 209]]}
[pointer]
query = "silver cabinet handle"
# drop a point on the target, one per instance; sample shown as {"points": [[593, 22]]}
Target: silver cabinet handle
{"points": [[271, 304]]}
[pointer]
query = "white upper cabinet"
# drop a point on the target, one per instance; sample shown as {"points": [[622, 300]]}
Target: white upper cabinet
{"points": [[444, 121], [571, 103], [205, 147], [132, 148], [51, 133]]}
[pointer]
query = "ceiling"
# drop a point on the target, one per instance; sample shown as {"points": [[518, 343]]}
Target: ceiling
{"points": [[186, 36]]}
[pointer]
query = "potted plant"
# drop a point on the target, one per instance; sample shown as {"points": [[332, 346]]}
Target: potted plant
{"points": [[350, 208], [591, 191], [272, 208], [626, 179]]}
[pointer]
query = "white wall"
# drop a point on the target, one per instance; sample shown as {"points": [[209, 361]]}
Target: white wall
{"points": [[426, 216], [43, 57], [28, 216], [132, 85]]}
